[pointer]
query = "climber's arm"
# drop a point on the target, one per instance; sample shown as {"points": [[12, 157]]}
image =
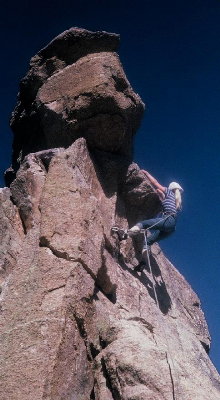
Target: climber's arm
{"points": [[154, 181]]}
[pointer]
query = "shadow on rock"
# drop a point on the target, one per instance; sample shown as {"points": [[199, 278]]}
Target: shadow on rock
{"points": [[111, 170], [163, 298], [110, 296]]}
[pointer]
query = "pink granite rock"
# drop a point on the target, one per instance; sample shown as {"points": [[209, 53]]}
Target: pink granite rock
{"points": [[77, 321], [76, 87]]}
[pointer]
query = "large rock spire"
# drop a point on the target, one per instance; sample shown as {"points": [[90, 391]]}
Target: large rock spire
{"points": [[77, 322], [76, 87]]}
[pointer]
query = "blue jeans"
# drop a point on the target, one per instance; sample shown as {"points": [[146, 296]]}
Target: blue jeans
{"points": [[164, 227]]}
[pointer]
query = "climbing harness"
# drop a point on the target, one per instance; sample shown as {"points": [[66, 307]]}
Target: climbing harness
{"points": [[165, 218]]}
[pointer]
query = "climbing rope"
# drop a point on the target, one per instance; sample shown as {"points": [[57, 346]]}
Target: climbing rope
{"points": [[115, 228], [175, 384], [151, 272], [158, 222], [168, 353]]}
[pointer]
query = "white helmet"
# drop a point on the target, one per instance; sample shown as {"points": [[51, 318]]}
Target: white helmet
{"points": [[175, 185]]}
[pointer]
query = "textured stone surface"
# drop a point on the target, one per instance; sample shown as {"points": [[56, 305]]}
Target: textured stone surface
{"points": [[11, 236], [77, 322], [76, 87]]}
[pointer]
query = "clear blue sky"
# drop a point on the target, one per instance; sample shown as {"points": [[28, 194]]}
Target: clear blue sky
{"points": [[171, 54]]}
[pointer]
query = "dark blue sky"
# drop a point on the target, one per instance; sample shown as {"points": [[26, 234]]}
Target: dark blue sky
{"points": [[170, 51]]}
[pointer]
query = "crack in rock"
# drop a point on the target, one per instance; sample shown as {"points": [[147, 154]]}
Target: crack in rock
{"points": [[171, 378]]}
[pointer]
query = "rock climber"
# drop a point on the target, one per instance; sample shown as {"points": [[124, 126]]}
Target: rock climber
{"points": [[164, 223]]}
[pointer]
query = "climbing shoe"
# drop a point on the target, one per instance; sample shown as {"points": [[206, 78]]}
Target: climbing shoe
{"points": [[145, 250], [122, 234]]}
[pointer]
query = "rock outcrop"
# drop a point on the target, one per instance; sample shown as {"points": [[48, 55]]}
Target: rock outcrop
{"points": [[76, 87], [77, 321]]}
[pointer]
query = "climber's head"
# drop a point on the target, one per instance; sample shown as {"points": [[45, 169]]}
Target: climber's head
{"points": [[177, 189], [174, 185]]}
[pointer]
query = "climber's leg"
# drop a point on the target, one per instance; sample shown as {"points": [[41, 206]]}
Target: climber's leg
{"points": [[157, 223], [155, 233], [143, 225], [154, 236]]}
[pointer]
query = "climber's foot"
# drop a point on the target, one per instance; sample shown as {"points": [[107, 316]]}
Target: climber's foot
{"points": [[145, 251], [122, 234], [140, 267]]}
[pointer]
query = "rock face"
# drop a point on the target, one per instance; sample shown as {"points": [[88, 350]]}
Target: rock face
{"points": [[77, 321], [76, 87]]}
